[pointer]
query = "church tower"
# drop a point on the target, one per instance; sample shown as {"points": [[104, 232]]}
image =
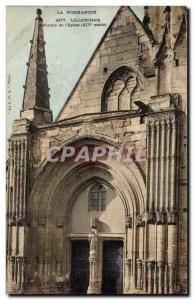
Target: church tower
{"points": [[36, 105], [35, 111]]}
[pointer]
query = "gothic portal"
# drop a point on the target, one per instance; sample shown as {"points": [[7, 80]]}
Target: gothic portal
{"points": [[104, 226]]}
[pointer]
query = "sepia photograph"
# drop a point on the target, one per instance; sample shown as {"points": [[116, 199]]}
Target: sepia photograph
{"points": [[96, 162]]}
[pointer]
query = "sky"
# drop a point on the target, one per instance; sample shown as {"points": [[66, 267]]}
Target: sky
{"points": [[68, 50]]}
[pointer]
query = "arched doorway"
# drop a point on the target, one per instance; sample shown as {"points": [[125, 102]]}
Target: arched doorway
{"points": [[97, 208], [63, 214]]}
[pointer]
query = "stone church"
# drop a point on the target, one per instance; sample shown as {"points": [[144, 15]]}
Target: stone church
{"points": [[104, 226]]}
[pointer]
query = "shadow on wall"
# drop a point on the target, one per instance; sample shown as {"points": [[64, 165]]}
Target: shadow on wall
{"points": [[104, 227], [111, 218]]}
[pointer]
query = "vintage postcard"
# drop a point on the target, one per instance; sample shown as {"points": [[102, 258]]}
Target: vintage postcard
{"points": [[97, 150]]}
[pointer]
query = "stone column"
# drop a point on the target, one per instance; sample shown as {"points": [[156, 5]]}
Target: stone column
{"points": [[160, 277], [172, 242], [139, 274], [157, 174], [93, 287], [58, 266], [27, 261], [41, 267], [12, 267], [127, 264], [166, 280], [171, 278], [155, 279], [162, 165], [151, 164], [161, 248], [144, 276], [20, 272], [17, 186], [47, 271], [150, 265]]}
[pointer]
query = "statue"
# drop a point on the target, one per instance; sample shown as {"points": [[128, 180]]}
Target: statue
{"points": [[94, 286], [93, 239]]}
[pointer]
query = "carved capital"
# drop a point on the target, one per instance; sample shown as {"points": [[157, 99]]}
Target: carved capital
{"points": [[150, 265], [19, 259], [128, 222], [127, 262], [12, 219], [140, 221], [21, 219], [12, 259], [172, 216], [161, 217], [150, 216], [171, 266]]}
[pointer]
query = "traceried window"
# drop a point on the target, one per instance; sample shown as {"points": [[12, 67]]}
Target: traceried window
{"points": [[119, 89], [97, 198]]}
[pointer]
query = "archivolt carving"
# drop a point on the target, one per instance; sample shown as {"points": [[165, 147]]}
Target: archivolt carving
{"points": [[56, 170]]}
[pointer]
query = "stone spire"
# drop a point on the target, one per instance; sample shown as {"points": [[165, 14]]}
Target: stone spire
{"points": [[36, 105]]}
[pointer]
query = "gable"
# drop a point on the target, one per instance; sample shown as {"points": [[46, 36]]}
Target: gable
{"points": [[125, 43]]}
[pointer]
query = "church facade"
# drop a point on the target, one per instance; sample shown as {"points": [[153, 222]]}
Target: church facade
{"points": [[104, 226]]}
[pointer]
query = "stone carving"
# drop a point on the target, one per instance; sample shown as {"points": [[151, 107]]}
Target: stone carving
{"points": [[93, 241], [172, 216], [140, 221], [128, 222], [161, 217], [150, 216], [93, 287], [158, 216]]}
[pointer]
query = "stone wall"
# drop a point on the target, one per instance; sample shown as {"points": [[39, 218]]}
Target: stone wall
{"points": [[120, 128], [125, 43]]}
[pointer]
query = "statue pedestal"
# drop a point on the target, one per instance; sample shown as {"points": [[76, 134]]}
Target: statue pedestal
{"points": [[94, 285], [94, 288]]}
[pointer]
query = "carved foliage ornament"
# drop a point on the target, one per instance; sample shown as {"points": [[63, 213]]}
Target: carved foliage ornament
{"points": [[140, 221], [169, 216]]}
